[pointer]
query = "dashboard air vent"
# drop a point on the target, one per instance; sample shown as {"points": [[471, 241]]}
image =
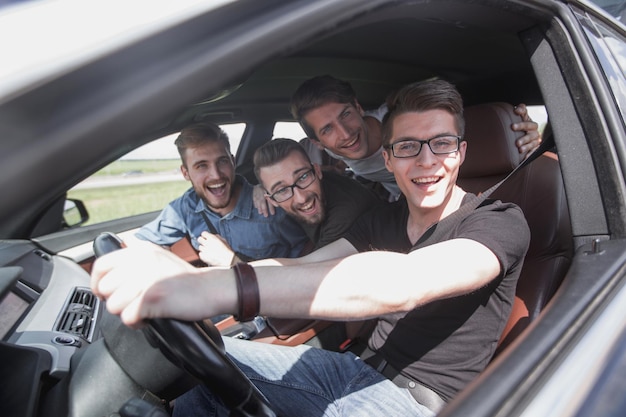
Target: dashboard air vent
{"points": [[79, 314]]}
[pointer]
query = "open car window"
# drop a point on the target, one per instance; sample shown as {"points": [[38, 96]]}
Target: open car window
{"points": [[142, 181]]}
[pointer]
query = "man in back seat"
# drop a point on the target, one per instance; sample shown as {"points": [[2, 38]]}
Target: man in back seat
{"points": [[441, 308], [324, 203]]}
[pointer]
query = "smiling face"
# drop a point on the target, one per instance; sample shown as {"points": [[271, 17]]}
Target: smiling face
{"points": [[211, 169], [306, 205], [340, 127], [427, 180]]}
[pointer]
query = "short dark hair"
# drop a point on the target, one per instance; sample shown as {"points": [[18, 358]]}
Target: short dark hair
{"points": [[316, 92], [199, 134], [423, 96], [275, 151]]}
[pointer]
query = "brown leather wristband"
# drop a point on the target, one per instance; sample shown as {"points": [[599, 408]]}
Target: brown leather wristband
{"points": [[247, 292]]}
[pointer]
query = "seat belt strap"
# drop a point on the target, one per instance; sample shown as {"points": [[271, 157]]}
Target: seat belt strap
{"points": [[208, 223], [212, 230]]}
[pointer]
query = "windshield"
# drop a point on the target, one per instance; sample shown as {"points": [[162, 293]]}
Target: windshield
{"points": [[613, 7]]}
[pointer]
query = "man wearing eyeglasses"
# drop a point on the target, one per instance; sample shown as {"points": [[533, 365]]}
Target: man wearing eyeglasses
{"points": [[440, 308], [324, 203]]}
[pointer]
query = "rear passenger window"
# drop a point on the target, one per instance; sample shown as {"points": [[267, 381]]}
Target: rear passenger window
{"points": [[289, 130], [142, 181], [539, 115]]}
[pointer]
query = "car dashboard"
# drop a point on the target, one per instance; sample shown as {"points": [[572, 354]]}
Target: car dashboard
{"points": [[49, 307], [60, 348]]}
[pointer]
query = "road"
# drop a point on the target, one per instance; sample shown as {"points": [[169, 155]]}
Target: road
{"points": [[133, 179]]}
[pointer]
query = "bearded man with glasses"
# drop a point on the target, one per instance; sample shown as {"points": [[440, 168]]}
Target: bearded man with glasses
{"points": [[324, 203]]}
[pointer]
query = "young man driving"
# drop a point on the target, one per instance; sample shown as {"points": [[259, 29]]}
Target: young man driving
{"points": [[441, 308]]}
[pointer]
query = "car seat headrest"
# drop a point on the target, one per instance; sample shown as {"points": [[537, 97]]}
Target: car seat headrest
{"points": [[491, 148]]}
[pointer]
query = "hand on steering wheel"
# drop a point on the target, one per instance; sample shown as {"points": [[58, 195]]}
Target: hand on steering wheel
{"points": [[198, 348]]}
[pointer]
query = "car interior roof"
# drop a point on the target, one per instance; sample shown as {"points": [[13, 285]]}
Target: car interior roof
{"points": [[476, 48]]}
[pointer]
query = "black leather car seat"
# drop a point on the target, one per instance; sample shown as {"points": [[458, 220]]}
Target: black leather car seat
{"points": [[538, 190]]}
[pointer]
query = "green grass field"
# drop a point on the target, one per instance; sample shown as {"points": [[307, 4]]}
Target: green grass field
{"points": [[108, 203], [116, 202]]}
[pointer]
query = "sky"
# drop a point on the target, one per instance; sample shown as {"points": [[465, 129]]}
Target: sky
{"points": [[164, 148]]}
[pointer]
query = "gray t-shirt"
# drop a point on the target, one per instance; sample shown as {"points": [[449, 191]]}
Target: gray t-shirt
{"points": [[446, 343], [373, 167]]}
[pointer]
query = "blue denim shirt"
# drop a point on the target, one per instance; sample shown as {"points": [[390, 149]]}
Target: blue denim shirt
{"points": [[245, 230]]}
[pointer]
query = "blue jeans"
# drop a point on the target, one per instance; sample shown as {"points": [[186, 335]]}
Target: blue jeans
{"points": [[307, 382]]}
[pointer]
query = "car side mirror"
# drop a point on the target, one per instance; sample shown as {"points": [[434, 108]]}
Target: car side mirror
{"points": [[74, 213]]}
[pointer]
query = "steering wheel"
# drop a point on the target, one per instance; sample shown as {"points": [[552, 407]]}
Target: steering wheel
{"points": [[198, 348]]}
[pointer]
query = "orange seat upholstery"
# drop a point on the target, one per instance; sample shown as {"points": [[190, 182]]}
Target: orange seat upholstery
{"points": [[538, 190]]}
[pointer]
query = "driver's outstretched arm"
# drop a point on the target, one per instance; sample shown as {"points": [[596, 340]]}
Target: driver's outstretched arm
{"points": [[145, 281]]}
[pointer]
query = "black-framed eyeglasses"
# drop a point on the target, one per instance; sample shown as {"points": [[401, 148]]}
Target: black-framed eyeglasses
{"points": [[438, 145], [302, 182]]}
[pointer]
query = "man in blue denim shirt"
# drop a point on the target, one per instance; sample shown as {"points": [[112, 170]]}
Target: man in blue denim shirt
{"points": [[221, 201]]}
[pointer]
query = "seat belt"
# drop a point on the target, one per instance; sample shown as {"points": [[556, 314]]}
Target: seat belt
{"points": [[437, 231]]}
